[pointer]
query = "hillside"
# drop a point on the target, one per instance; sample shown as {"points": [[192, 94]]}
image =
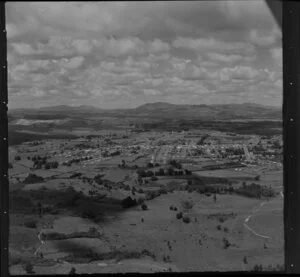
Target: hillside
{"points": [[155, 110]]}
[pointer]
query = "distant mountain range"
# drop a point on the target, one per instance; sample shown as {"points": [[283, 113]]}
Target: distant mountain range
{"points": [[156, 110]]}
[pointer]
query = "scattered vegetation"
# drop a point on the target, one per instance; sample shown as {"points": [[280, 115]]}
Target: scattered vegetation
{"points": [[144, 207], [128, 202], [89, 256], [255, 191], [186, 219], [187, 205], [179, 215], [226, 243], [33, 178]]}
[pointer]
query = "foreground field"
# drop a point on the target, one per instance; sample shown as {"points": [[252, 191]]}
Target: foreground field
{"points": [[177, 246]]}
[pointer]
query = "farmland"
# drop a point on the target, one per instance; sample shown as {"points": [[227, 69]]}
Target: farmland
{"points": [[134, 199]]}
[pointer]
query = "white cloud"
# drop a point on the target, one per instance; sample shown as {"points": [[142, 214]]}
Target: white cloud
{"points": [[213, 44], [74, 62], [234, 58], [277, 55]]}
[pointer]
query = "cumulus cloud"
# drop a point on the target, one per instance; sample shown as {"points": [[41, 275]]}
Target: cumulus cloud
{"points": [[277, 55], [111, 52], [213, 44]]}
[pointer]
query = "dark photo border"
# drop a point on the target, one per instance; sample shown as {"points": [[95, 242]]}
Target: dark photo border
{"points": [[289, 13]]}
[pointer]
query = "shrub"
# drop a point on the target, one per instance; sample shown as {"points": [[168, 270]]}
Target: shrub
{"points": [[128, 202], [179, 215], [30, 224], [144, 207], [257, 268], [17, 158], [245, 260], [72, 271], [186, 219], [219, 227], [32, 178], [10, 165], [29, 268], [226, 230], [187, 205], [226, 243]]}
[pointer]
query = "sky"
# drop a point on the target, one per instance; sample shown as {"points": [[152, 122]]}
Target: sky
{"points": [[125, 54]]}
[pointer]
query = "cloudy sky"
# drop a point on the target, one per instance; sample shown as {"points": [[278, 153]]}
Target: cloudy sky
{"points": [[124, 54]]}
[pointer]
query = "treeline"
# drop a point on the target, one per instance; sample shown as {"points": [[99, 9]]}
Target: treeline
{"points": [[41, 162], [162, 172]]}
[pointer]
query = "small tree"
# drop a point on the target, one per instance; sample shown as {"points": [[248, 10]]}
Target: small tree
{"points": [[29, 268], [144, 207], [245, 260], [179, 215], [186, 219], [17, 158], [72, 271]]}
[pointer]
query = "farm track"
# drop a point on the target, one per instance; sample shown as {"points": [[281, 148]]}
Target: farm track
{"points": [[253, 213]]}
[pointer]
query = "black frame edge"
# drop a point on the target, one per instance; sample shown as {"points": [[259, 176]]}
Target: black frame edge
{"points": [[291, 134], [4, 188]]}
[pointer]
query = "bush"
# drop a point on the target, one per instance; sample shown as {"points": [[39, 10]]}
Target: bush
{"points": [[17, 158], [31, 224], [144, 207], [186, 219], [219, 227], [245, 260], [28, 268], [32, 178], [257, 268], [226, 230], [128, 202], [187, 205], [72, 271], [226, 243], [179, 215]]}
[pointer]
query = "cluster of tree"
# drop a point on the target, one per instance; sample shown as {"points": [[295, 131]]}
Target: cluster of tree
{"points": [[161, 172], [17, 158], [151, 165], [202, 139], [32, 178], [76, 161], [234, 151], [116, 153], [128, 202], [175, 164], [82, 146], [276, 145], [50, 165], [76, 175], [258, 148], [255, 190]]}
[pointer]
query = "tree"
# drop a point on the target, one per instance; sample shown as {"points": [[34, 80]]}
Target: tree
{"points": [[29, 268], [215, 198], [40, 209], [17, 158], [72, 271]]}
